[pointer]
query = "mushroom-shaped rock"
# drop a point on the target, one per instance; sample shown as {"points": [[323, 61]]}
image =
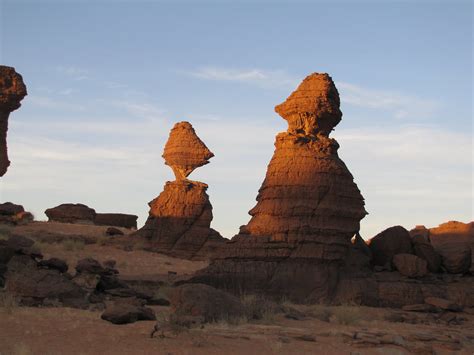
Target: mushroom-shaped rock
{"points": [[313, 108], [12, 91], [184, 151], [308, 208]]}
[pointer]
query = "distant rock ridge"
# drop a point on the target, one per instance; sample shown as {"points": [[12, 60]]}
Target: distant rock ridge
{"points": [[12, 91], [308, 207], [180, 217]]}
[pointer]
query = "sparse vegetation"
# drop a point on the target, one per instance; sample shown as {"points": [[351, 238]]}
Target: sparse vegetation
{"points": [[321, 312], [139, 245], [73, 245], [346, 315], [259, 308], [101, 241], [8, 302], [5, 232]]}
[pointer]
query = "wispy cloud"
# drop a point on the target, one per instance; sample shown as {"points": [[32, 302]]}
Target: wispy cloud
{"points": [[402, 105], [259, 77], [49, 102], [74, 72]]}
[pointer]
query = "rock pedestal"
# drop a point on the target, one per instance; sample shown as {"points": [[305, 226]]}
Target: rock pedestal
{"points": [[12, 91], [180, 217], [308, 207]]}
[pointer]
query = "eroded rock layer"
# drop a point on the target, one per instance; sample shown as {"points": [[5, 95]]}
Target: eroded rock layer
{"points": [[180, 217], [307, 211], [184, 151], [12, 91], [179, 221]]}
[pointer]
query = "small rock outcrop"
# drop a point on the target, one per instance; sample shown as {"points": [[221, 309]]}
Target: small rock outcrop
{"points": [[13, 214], [71, 213], [180, 217], [116, 220], [454, 241], [308, 208], [423, 249], [12, 91], [386, 244]]}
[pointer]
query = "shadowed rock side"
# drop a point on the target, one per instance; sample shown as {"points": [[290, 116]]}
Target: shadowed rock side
{"points": [[180, 217], [184, 151], [12, 91], [308, 208]]}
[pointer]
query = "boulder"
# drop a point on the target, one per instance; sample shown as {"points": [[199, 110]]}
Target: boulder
{"points": [[124, 313], [54, 263], [444, 304], [199, 300], [308, 208], [116, 220], [423, 249], [386, 244], [91, 266], [12, 91], [359, 256], [11, 213], [410, 265], [113, 231], [71, 213], [454, 241], [25, 280]]}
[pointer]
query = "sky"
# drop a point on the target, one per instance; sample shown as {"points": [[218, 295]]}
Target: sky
{"points": [[107, 80]]}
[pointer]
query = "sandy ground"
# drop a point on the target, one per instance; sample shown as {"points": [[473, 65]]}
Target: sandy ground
{"points": [[71, 331], [49, 331], [131, 262]]}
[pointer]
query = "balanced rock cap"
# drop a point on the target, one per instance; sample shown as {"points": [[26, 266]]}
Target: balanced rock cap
{"points": [[12, 89], [184, 151], [313, 108]]}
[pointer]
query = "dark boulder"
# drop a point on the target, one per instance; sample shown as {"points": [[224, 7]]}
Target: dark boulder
{"points": [[392, 241], [124, 313], [116, 220], [54, 263], [71, 213]]}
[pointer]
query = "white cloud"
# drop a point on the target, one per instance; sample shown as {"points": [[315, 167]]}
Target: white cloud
{"points": [[51, 103], [74, 72], [259, 77], [402, 105]]}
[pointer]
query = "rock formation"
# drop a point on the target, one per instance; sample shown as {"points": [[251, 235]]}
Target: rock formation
{"points": [[11, 213], [71, 213], [184, 151], [308, 207], [180, 217], [386, 244], [12, 91], [116, 219]]}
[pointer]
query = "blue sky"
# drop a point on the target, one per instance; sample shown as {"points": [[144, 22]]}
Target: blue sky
{"points": [[107, 80]]}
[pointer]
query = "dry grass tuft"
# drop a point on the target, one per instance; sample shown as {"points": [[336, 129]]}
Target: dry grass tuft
{"points": [[73, 245], [8, 302]]}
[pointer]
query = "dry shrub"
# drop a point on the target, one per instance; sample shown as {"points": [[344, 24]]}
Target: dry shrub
{"points": [[22, 349], [346, 315], [102, 241], [8, 302], [73, 245], [321, 312], [260, 308]]}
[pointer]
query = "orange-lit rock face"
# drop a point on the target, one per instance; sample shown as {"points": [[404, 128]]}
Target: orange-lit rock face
{"points": [[12, 91], [308, 207], [313, 108], [184, 151], [179, 222]]}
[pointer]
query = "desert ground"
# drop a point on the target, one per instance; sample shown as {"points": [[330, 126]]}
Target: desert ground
{"points": [[282, 328]]}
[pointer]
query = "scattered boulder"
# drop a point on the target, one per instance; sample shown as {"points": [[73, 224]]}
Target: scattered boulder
{"points": [[308, 208], [11, 213], [71, 213], [116, 220], [425, 250], [91, 266], [54, 263], [180, 217], [444, 304], [410, 265], [12, 91], [26, 280], [454, 241], [199, 300], [124, 313], [386, 244], [112, 231]]}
